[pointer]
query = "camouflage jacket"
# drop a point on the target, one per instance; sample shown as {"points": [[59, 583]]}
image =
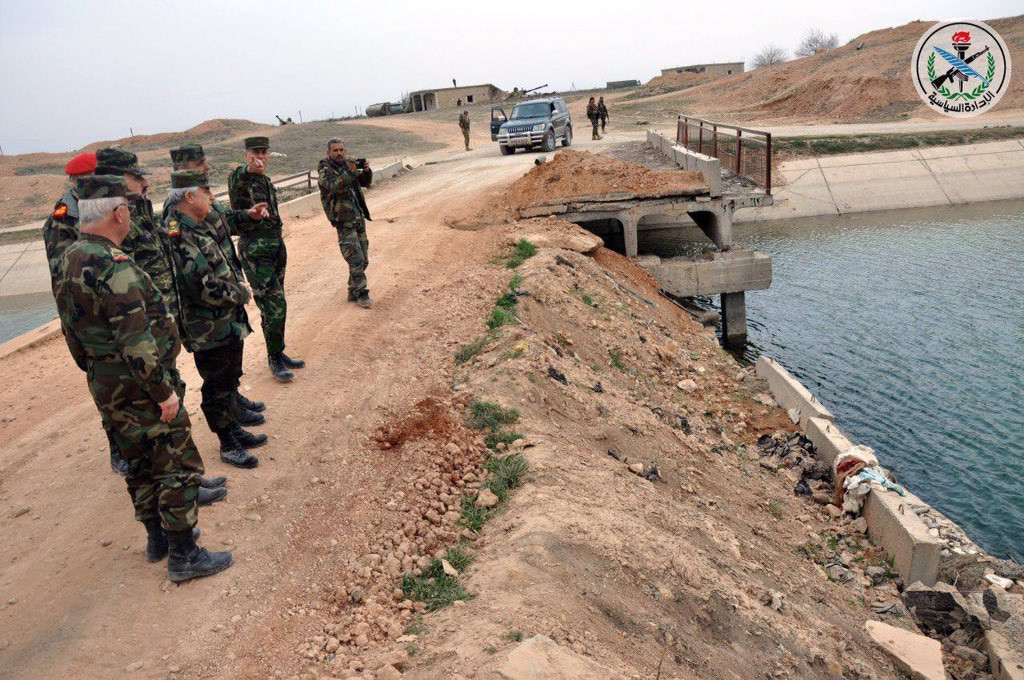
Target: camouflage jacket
{"points": [[592, 112], [340, 192], [464, 121], [60, 231], [210, 283], [148, 245], [246, 189], [112, 314]]}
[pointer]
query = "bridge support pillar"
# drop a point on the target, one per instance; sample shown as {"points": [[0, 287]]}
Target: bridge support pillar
{"points": [[716, 225], [734, 319], [629, 232]]}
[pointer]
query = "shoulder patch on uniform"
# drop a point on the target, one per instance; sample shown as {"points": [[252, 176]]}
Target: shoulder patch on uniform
{"points": [[61, 210], [172, 229], [120, 257]]}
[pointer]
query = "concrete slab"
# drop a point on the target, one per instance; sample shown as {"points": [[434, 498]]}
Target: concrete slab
{"points": [[805, 193], [902, 184], [9, 248], [1005, 663], [30, 274], [828, 441], [733, 271], [968, 150], [918, 656], [790, 394], [31, 338], [893, 525], [971, 178], [873, 158]]}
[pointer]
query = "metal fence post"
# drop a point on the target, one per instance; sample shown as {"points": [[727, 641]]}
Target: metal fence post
{"points": [[768, 164], [739, 147]]}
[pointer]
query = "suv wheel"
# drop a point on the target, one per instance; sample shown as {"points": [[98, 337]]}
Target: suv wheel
{"points": [[549, 141], [567, 140], [507, 150]]}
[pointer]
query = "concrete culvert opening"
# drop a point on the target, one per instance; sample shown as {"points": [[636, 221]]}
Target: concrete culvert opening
{"points": [[611, 232]]}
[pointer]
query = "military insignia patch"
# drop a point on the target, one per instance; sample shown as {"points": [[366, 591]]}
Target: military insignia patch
{"points": [[174, 233], [60, 211], [120, 257]]}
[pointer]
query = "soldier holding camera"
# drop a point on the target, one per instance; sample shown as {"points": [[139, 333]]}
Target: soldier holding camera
{"points": [[341, 181]]}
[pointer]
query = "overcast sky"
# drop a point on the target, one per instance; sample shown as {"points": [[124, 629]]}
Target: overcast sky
{"points": [[77, 72]]}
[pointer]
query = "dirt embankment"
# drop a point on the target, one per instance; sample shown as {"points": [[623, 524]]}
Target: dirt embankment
{"points": [[841, 85]]}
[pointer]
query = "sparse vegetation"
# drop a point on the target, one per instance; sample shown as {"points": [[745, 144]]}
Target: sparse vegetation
{"points": [[775, 508], [769, 56], [616, 359], [800, 147], [514, 636], [507, 473], [433, 587], [500, 317], [458, 558], [471, 516], [467, 352], [486, 415], [815, 41], [501, 437], [524, 250]]}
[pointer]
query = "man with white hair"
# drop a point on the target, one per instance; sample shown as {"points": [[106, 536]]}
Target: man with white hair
{"points": [[118, 325], [212, 296]]}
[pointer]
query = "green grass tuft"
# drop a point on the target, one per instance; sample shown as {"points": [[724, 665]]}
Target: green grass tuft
{"points": [[616, 357], [472, 517], [775, 508], [486, 415], [524, 250], [514, 636], [467, 352], [458, 558], [507, 473], [433, 587], [500, 317], [515, 282]]}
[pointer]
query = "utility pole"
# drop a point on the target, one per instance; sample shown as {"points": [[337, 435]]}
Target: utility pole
{"points": [[300, 115], [131, 131]]}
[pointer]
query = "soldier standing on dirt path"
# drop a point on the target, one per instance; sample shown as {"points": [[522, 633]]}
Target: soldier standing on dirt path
{"points": [[594, 117], [213, 319], [464, 124], [220, 224], [59, 231], [340, 181], [118, 325], [602, 112], [264, 256]]}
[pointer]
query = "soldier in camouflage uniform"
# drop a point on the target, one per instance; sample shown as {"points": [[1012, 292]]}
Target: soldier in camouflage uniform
{"points": [[220, 223], [212, 300], [59, 231], [340, 182], [464, 126], [263, 252], [149, 247], [118, 325]]}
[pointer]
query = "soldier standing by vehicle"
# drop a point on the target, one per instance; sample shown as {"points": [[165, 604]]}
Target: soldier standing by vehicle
{"points": [[59, 231], [264, 256], [340, 181], [117, 324], [221, 224], [602, 112], [212, 300], [594, 117], [464, 125]]}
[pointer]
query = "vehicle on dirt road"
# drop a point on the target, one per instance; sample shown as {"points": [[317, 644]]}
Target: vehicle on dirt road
{"points": [[535, 123]]}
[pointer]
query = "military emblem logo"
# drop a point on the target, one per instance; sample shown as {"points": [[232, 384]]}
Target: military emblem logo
{"points": [[961, 68]]}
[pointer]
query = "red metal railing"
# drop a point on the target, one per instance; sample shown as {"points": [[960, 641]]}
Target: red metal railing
{"points": [[744, 151]]}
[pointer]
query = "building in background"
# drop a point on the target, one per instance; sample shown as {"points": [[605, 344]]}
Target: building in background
{"points": [[450, 97], [714, 70], [619, 84]]}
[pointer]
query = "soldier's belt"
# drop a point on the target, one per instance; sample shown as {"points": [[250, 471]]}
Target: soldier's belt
{"points": [[261, 233], [113, 366]]}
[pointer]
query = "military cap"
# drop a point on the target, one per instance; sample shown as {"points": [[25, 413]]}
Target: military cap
{"points": [[187, 152], [186, 179], [111, 161], [101, 186], [82, 164], [257, 142]]}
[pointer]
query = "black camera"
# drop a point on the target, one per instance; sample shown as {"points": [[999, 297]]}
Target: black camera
{"points": [[360, 163]]}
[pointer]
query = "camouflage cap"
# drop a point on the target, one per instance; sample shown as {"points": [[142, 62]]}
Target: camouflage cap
{"points": [[186, 153], [257, 142], [101, 186], [186, 179], [112, 161]]}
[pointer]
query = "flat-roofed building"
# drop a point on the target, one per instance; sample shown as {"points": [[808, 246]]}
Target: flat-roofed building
{"points": [[450, 97], [714, 70]]}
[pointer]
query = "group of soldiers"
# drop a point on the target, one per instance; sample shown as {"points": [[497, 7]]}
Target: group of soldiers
{"points": [[597, 114], [131, 289]]}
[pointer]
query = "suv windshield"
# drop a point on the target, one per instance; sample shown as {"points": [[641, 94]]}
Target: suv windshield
{"points": [[534, 110]]}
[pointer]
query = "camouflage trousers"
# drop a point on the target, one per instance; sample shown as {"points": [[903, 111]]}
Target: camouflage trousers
{"points": [[221, 370], [264, 259], [163, 463], [355, 248], [595, 121], [465, 135]]}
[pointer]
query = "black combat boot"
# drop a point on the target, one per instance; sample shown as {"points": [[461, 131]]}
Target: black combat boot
{"points": [[188, 561], [364, 300], [245, 402], [292, 363], [156, 540], [244, 416], [353, 295], [117, 462], [210, 496], [212, 482], [248, 439], [278, 369], [233, 453]]}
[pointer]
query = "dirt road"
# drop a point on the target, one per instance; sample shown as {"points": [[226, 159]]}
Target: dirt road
{"points": [[77, 598]]}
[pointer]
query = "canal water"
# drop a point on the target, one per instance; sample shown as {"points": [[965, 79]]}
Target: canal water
{"points": [[21, 313], [909, 326]]}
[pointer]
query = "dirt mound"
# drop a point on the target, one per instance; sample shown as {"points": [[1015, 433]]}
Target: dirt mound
{"points": [[575, 174], [208, 131], [841, 85], [670, 82]]}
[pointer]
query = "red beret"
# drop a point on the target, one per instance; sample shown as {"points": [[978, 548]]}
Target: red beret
{"points": [[82, 164]]}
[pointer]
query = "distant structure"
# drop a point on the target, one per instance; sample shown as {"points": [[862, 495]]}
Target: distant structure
{"points": [[714, 70], [619, 84], [384, 109], [450, 97]]}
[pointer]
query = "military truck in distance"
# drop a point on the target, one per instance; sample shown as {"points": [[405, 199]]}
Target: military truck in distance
{"points": [[537, 122]]}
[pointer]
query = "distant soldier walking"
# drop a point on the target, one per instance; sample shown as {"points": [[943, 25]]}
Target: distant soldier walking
{"points": [[118, 325], [59, 231], [464, 125], [340, 181], [263, 252], [220, 224], [602, 112], [594, 116], [212, 300]]}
